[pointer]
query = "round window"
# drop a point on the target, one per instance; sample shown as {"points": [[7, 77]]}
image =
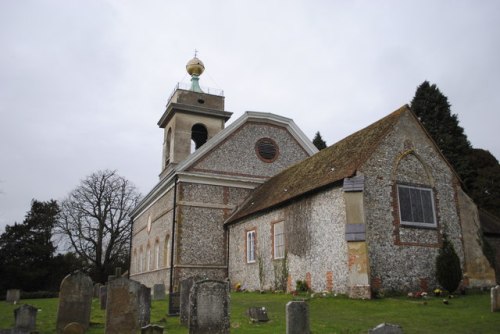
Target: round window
{"points": [[267, 149]]}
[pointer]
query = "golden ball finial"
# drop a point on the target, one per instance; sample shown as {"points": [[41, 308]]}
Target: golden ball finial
{"points": [[195, 67]]}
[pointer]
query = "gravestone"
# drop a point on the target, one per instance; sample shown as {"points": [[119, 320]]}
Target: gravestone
{"points": [[13, 296], [258, 314], [25, 319], [128, 306], [97, 290], [75, 301], [152, 329], [103, 296], [159, 292], [386, 328], [297, 318], [495, 299], [185, 290], [73, 328], [209, 307]]}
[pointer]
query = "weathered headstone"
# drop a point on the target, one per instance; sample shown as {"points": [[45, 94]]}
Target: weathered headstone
{"points": [[25, 319], [495, 299], [128, 306], [152, 329], [209, 307], [185, 290], [386, 328], [258, 314], [97, 290], [103, 296], [297, 318], [73, 328], [75, 301], [13, 296], [159, 292]]}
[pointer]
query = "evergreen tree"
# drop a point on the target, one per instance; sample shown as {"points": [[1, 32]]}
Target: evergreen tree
{"points": [[433, 110], [319, 142], [485, 188], [26, 250], [448, 270]]}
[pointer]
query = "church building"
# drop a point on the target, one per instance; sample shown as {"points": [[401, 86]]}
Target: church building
{"points": [[257, 203]]}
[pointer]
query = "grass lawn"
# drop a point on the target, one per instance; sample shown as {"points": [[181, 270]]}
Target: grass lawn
{"points": [[464, 314]]}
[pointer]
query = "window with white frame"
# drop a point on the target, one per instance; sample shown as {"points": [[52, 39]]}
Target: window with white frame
{"points": [[250, 246], [279, 240], [141, 261], [416, 206]]}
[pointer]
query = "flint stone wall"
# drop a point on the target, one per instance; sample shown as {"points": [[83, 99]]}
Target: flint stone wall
{"points": [[407, 156], [315, 237]]}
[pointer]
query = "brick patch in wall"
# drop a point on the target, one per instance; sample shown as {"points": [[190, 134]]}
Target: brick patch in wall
{"points": [[308, 280], [424, 284], [289, 283], [329, 281]]}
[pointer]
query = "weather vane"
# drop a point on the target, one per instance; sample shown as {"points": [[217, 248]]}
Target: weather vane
{"points": [[195, 52]]}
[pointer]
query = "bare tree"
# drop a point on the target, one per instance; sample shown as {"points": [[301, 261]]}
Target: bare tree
{"points": [[94, 217]]}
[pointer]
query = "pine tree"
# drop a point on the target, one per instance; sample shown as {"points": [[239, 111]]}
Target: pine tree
{"points": [[434, 112], [319, 142], [448, 270]]}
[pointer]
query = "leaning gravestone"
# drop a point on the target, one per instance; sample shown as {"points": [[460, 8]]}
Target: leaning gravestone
{"points": [[25, 319], [97, 290], [75, 301], [185, 290], [13, 296], [152, 329], [209, 308], [297, 318], [159, 292], [128, 306], [495, 299], [386, 328]]}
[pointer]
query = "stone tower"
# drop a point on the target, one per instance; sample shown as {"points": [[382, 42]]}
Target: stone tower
{"points": [[191, 118]]}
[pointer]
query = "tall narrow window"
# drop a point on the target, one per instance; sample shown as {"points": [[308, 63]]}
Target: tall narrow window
{"points": [[141, 261], [279, 240], [136, 263], [166, 252], [157, 255], [148, 258], [416, 206], [250, 246]]}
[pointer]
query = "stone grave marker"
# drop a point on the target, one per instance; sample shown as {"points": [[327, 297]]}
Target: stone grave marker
{"points": [[209, 307], [258, 314], [13, 296], [74, 328], [185, 290], [97, 290], [75, 301], [386, 328], [152, 329], [103, 296], [128, 306], [297, 318], [495, 299], [25, 319], [159, 292]]}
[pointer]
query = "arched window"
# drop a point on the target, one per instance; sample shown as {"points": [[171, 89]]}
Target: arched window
{"points": [[199, 135], [141, 260], [134, 260], [148, 258], [168, 143], [157, 254], [166, 252]]}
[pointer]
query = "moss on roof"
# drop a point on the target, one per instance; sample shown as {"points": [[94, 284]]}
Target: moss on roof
{"points": [[325, 168]]}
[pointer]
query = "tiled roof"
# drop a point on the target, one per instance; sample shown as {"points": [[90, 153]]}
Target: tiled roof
{"points": [[325, 168]]}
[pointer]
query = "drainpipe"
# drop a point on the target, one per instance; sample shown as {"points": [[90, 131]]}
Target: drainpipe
{"points": [[171, 288], [227, 250], [130, 247]]}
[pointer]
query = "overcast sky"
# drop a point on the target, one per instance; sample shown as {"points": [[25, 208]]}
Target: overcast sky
{"points": [[83, 83]]}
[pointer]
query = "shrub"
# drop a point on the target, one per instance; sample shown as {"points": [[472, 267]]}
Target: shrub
{"points": [[301, 286], [448, 271]]}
